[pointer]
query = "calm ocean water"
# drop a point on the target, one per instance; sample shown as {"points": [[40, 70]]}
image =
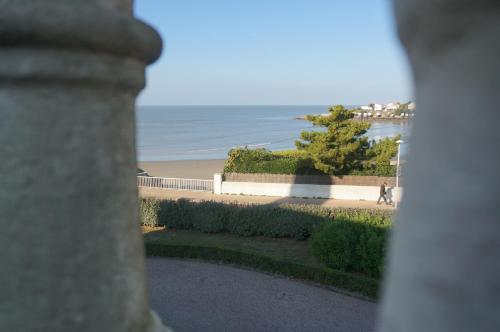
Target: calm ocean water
{"points": [[209, 132]]}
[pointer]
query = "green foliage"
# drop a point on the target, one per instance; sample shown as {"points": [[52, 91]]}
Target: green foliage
{"points": [[344, 240], [291, 153], [243, 160], [381, 152], [149, 212], [376, 170], [208, 217], [351, 246], [342, 147], [275, 221], [379, 156], [241, 220]]}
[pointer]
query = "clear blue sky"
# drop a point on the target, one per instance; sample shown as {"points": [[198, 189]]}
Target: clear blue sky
{"points": [[275, 52]]}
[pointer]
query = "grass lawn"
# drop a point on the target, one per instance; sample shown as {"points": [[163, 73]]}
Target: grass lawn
{"points": [[289, 249], [282, 256]]}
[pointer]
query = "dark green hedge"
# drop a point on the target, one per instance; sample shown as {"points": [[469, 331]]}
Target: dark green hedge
{"points": [[149, 212], [351, 246], [378, 170], [267, 162], [264, 161], [343, 239], [280, 221], [348, 281], [241, 220]]}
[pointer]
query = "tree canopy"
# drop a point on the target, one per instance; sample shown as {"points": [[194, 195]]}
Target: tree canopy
{"points": [[342, 147]]}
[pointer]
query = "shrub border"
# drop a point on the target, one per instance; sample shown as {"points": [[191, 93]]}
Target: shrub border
{"points": [[344, 282]]}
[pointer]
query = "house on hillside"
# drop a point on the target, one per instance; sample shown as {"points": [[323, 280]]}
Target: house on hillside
{"points": [[378, 107], [412, 106], [392, 107]]}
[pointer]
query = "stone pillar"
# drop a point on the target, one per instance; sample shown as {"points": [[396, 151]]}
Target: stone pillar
{"points": [[71, 251], [444, 265], [218, 183]]}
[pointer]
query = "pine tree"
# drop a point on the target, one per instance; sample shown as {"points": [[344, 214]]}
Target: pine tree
{"points": [[341, 147]]}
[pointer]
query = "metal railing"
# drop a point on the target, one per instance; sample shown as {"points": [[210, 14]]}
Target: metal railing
{"points": [[175, 183]]}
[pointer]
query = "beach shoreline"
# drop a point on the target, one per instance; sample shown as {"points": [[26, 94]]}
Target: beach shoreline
{"points": [[186, 169]]}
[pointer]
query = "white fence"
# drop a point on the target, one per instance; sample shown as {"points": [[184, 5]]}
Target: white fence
{"points": [[175, 183]]}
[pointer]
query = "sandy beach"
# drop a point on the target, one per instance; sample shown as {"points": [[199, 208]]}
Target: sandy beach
{"points": [[187, 169]]}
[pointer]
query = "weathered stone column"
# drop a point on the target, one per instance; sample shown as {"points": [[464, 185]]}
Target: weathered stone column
{"points": [[444, 268], [71, 252]]}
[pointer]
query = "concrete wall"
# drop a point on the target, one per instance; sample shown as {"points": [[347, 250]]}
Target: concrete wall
{"points": [[367, 193], [365, 188], [347, 180]]}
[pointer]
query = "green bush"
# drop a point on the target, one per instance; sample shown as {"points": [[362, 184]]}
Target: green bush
{"points": [[276, 221], [208, 217], [291, 153], [288, 162], [241, 220], [351, 246], [149, 212], [376, 170], [176, 214], [272, 221], [264, 161]]}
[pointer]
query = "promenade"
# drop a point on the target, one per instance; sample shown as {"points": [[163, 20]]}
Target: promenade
{"points": [[205, 196]]}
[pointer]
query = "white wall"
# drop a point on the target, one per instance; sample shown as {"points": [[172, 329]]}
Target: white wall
{"points": [[217, 183], [366, 193]]}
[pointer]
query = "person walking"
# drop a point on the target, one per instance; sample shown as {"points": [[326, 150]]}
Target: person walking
{"points": [[383, 192]]}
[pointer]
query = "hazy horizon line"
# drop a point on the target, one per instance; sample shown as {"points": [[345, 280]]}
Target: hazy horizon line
{"points": [[250, 105]]}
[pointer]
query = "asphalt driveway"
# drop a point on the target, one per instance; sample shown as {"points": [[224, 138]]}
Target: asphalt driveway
{"points": [[198, 296]]}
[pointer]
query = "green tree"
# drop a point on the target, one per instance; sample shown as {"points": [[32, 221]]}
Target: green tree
{"points": [[341, 147], [381, 152]]}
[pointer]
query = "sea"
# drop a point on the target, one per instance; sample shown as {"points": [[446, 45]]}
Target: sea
{"points": [[167, 133]]}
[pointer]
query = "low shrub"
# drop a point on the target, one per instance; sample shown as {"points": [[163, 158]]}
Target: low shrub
{"points": [[209, 217], [376, 170], [291, 153], [241, 220], [149, 212], [297, 162], [176, 214], [264, 161], [277, 221], [351, 246]]}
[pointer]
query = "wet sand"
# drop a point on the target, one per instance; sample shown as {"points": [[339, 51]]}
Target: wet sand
{"points": [[187, 169]]}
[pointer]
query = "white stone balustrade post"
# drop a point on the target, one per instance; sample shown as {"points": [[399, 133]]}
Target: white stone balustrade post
{"points": [[71, 252], [444, 265], [218, 179]]}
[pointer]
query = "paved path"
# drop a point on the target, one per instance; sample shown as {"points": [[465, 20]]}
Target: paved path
{"points": [[198, 196], [196, 296]]}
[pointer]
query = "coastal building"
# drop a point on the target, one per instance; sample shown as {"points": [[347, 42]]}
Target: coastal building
{"points": [[366, 108], [392, 106], [378, 107], [412, 106]]}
